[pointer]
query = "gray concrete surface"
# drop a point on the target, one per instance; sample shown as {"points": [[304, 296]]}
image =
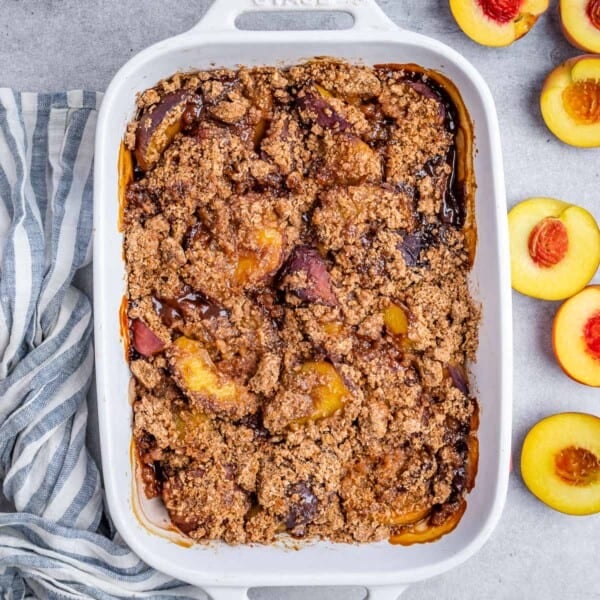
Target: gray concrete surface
{"points": [[535, 553]]}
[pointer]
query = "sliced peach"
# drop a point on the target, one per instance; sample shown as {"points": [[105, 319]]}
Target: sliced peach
{"points": [[570, 101], [576, 336], [560, 462], [125, 165], [329, 393], [581, 23], [423, 532], [554, 247], [333, 328], [404, 518], [157, 127], [262, 259], [347, 160], [199, 378], [305, 275], [395, 319], [497, 22], [145, 341]]}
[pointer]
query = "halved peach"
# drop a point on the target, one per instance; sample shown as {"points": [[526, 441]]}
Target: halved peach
{"points": [[580, 21], [576, 336], [570, 101], [423, 532], [560, 462], [497, 22], [554, 248]]}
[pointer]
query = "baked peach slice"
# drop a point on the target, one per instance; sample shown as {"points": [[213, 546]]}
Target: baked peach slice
{"points": [[395, 319], [328, 390], [554, 248], [262, 258], [580, 21], [576, 336], [403, 518], [560, 462], [497, 22], [424, 532], [199, 378], [158, 125], [570, 101]]}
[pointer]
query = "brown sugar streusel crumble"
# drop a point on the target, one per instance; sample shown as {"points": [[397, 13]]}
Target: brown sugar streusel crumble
{"points": [[297, 249]]}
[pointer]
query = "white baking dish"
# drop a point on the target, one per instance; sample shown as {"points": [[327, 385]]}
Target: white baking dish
{"points": [[226, 572]]}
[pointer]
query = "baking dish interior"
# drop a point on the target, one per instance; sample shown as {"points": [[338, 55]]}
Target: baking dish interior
{"points": [[315, 563]]}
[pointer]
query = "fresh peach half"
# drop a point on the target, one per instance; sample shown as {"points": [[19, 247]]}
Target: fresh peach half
{"points": [[560, 462], [581, 23], [497, 22], [570, 101], [576, 336], [554, 248]]}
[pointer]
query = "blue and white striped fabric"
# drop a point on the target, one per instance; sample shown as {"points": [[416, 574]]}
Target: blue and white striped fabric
{"points": [[52, 545]]}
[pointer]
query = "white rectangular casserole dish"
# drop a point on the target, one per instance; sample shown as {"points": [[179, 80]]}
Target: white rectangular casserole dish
{"points": [[224, 571]]}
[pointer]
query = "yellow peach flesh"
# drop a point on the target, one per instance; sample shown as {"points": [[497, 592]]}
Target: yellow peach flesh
{"points": [[578, 265], [263, 259], [406, 518], [576, 334], [496, 22], [570, 101], [395, 320], [329, 394], [560, 462], [422, 532], [198, 373], [581, 23]]}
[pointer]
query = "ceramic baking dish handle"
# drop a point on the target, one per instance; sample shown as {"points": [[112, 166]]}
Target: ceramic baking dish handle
{"points": [[226, 593], [222, 14], [238, 593], [391, 592]]}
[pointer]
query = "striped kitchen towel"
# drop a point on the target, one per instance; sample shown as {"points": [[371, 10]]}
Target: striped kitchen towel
{"points": [[57, 543]]}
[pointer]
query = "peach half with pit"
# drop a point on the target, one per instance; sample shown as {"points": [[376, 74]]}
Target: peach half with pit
{"points": [[580, 21], [570, 101], [576, 336], [554, 248], [560, 462], [497, 22]]}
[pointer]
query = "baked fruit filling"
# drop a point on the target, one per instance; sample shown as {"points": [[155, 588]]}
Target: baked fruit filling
{"points": [[298, 243]]}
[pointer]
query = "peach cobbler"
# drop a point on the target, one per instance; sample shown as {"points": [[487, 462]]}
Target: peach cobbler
{"points": [[298, 243]]}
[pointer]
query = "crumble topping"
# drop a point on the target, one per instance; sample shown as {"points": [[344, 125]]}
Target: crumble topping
{"points": [[299, 303]]}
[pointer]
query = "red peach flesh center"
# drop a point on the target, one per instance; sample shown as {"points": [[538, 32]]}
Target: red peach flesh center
{"points": [[577, 466], [593, 12], [548, 242], [591, 335], [582, 101], [501, 11]]}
